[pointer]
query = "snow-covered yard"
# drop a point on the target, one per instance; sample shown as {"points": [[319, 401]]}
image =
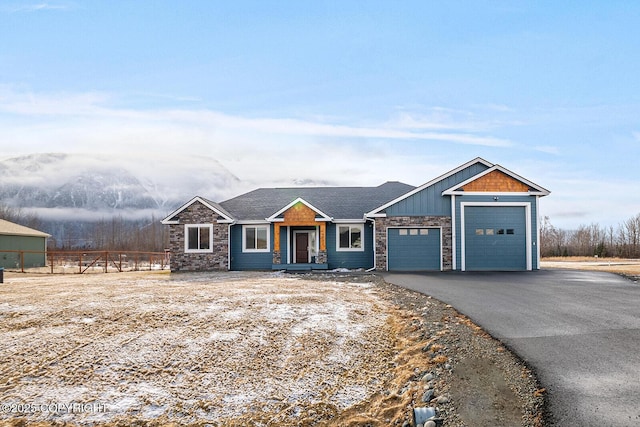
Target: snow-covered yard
{"points": [[217, 348]]}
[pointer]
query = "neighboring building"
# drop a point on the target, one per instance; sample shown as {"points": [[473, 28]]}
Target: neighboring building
{"points": [[15, 238], [479, 216]]}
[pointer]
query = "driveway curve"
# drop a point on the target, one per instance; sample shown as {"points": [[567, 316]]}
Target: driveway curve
{"points": [[579, 330]]}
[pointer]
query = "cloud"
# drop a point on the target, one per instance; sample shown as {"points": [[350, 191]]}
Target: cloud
{"points": [[95, 105], [35, 7]]}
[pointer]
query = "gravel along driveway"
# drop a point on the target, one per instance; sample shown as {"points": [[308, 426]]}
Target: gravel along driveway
{"points": [[579, 330], [263, 349]]}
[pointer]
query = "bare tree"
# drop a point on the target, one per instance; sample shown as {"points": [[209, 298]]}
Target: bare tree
{"points": [[19, 216], [629, 236]]}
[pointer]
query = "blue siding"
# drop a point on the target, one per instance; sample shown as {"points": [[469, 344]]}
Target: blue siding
{"points": [[350, 259], [336, 259], [429, 201], [248, 261]]}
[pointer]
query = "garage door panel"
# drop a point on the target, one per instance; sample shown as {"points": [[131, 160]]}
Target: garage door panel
{"points": [[495, 238], [414, 249]]}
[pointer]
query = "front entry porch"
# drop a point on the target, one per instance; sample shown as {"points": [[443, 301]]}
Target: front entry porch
{"points": [[300, 239]]}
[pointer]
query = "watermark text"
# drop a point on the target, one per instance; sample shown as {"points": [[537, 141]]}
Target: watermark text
{"points": [[53, 408]]}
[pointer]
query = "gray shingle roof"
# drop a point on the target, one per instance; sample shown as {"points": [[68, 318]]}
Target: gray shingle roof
{"points": [[336, 202]]}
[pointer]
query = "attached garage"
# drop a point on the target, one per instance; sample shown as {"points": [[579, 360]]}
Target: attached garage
{"points": [[414, 249], [486, 216], [496, 236]]}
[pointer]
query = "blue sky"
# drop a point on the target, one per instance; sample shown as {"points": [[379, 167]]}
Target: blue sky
{"points": [[343, 92]]}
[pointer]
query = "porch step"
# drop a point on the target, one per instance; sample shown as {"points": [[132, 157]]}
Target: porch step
{"points": [[299, 267]]}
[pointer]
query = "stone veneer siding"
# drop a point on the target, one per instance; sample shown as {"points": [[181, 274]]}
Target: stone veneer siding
{"points": [[413, 221], [197, 213]]}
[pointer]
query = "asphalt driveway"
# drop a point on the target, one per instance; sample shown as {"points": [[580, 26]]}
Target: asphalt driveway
{"points": [[579, 330]]}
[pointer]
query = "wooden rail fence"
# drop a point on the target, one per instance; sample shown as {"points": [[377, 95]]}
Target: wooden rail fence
{"points": [[82, 261]]}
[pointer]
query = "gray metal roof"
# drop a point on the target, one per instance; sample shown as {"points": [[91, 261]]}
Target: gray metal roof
{"points": [[336, 202], [13, 229]]}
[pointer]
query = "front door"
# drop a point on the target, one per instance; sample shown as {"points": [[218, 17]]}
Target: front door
{"points": [[302, 248]]}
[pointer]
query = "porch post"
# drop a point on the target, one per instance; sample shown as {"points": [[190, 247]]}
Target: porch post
{"points": [[322, 253], [277, 257]]}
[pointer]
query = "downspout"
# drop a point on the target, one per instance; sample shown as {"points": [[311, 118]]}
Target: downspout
{"points": [[229, 244]]}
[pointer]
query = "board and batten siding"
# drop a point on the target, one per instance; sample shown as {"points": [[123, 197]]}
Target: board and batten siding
{"points": [[250, 260], [350, 259], [429, 201]]}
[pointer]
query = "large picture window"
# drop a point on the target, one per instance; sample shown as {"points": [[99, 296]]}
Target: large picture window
{"points": [[198, 238], [255, 238], [350, 237]]}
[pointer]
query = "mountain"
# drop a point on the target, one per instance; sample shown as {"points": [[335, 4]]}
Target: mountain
{"points": [[59, 186]]}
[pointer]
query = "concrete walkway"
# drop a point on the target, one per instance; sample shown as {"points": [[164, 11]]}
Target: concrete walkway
{"points": [[580, 331]]}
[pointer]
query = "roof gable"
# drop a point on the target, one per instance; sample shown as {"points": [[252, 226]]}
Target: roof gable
{"points": [[497, 180], [215, 207], [299, 211]]}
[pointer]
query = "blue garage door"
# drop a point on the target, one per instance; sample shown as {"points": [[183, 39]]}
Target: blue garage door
{"points": [[495, 238], [413, 249]]}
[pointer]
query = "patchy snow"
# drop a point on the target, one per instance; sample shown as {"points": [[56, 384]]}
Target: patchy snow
{"points": [[187, 348]]}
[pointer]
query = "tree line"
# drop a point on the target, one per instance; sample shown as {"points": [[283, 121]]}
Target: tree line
{"points": [[591, 240], [112, 234]]}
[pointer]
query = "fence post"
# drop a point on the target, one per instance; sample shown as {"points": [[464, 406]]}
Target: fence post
{"points": [[22, 261]]}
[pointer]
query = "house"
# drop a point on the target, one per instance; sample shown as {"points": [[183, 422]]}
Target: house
{"points": [[19, 244], [478, 216]]}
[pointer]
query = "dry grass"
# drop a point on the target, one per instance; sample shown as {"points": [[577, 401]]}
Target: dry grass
{"points": [[206, 349], [629, 267]]}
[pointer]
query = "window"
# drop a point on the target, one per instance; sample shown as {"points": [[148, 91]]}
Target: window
{"points": [[350, 238], [479, 231], [489, 232], [255, 238], [510, 231], [424, 231], [198, 238], [403, 232]]}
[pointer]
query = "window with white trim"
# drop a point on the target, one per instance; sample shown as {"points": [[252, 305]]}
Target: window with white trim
{"points": [[255, 238], [350, 237], [198, 238]]}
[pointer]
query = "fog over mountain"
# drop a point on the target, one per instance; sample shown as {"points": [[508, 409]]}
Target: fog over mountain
{"points": [[85, 187]]}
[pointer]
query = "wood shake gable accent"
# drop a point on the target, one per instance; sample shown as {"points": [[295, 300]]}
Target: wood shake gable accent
{"points": [[496, 181]]}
